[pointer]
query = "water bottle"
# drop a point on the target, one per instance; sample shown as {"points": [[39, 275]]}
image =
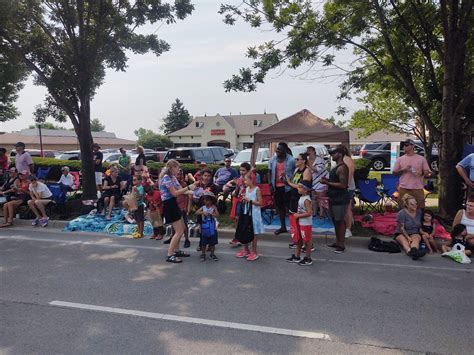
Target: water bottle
{"points": [[422, 246]]}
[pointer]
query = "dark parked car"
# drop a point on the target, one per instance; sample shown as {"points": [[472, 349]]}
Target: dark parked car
{"points": [[379, 154], [210, 155]]}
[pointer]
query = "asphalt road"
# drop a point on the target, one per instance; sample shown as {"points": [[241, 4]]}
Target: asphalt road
{"points": [[84, 294]]}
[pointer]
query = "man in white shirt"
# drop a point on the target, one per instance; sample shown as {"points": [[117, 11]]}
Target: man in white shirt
{"points": [[66, 182], [40, 197]]}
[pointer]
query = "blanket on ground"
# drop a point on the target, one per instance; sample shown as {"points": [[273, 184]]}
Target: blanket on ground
{"points": [[387, 223], [98, 224]]}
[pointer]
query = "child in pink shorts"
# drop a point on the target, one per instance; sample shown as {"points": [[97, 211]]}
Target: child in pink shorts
{"points": [[304, 230]]}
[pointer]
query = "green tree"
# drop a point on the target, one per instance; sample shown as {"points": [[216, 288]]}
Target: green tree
{"points": [[68, 45], [47, 125], [97, 126], [421, 52], [12, 76], [177, 118], [149, 139]]}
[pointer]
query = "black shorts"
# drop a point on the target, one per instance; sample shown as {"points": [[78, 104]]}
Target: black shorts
{"points": [[171, 211], [282, 198], [211, 240], [139, 214]]}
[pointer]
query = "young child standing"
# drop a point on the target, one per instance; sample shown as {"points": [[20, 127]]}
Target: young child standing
{"points": [[427, 231], [254, 196], [304, 218], [209, 213], [154, 204], [139, 193]]}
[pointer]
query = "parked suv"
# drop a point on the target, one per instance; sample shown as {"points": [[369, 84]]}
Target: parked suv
{"points": [[210, 155], [379, 154]]}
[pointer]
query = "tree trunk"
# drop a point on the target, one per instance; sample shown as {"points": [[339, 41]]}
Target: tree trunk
{"points": [[85, 143]]}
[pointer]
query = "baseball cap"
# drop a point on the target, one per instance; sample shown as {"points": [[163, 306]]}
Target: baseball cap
{"points": [[409, 141], [20, 144]]}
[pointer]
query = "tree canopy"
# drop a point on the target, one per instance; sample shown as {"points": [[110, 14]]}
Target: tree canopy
{"points": [[414, 59], [97, 126], [12, 75], [149, 139], [177, 118], [68, 45]]}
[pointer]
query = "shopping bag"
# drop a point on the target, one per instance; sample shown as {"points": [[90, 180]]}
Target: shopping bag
{"points": [[244, 233], [457, 254], [294, 229]]}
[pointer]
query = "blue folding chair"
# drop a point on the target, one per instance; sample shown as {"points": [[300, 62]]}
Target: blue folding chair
{"points": [[390, 184], [58, 196], [42, 173], [370, 200]]}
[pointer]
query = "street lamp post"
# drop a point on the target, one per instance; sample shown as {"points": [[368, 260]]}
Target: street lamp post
{"points": [[41, 140]]}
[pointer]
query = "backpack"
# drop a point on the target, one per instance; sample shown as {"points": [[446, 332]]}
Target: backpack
{"points": [[244, 232], [208, 227], [378, 245]]}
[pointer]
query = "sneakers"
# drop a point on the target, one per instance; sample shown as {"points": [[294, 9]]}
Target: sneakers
{"points": [[339, 250], [213, 257], [167, 241], [202, 257], [252, 257], [187, 243], [304, 249], [43, 222], [280, 231], [292, 245], [35, 222], [348, 233], [306, 262], [234, 242], [293, 259], [243, 253]]}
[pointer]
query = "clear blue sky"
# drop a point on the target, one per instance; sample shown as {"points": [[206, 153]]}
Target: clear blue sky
{"points": [[204, 52]]}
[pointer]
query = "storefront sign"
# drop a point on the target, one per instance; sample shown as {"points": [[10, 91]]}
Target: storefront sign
{"points": [[217, 132]]}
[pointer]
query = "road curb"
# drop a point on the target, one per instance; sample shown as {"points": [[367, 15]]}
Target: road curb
{"points": [[225, 233]]}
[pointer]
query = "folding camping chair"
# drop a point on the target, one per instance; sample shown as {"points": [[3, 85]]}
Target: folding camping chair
{"points": [[42, 173], [370, 199], [390, 184], [267, 203]]}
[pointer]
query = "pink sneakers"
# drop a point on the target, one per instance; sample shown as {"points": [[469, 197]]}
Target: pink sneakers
{"points": [[252, 257], [243, 253]]}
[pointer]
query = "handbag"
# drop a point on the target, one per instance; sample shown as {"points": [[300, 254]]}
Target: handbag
{"points": [[244, 232]]}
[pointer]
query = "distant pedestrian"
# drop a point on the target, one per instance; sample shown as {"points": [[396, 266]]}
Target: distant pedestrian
{"points": [[124, 165], [140, 162], [411, 168], [318, 168], [281, 167], [304, 219], [4, 163], [338, 197], [23, 161], [98, 158]]}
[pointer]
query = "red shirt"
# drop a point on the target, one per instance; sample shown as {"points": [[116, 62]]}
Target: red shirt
{"points": [[280, 171], [154, 201], [4, 163]]}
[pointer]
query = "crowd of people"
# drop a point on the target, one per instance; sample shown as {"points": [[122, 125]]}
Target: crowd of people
{"points": [[302, 187]]}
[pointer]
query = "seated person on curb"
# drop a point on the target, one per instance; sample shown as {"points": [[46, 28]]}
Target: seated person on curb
{"points": [[112, 191], [66, 182], [7, 188], [458, 236], [407, 234], [41, 196], [19, 196], [223, 176], [466, 217]]}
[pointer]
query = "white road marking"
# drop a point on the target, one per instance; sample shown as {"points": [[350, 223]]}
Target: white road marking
{"points": [[192, 320], [159, 248]]}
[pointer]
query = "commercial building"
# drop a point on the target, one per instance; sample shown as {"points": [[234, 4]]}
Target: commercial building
{"points": [[60, 140], [233, 131]]}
